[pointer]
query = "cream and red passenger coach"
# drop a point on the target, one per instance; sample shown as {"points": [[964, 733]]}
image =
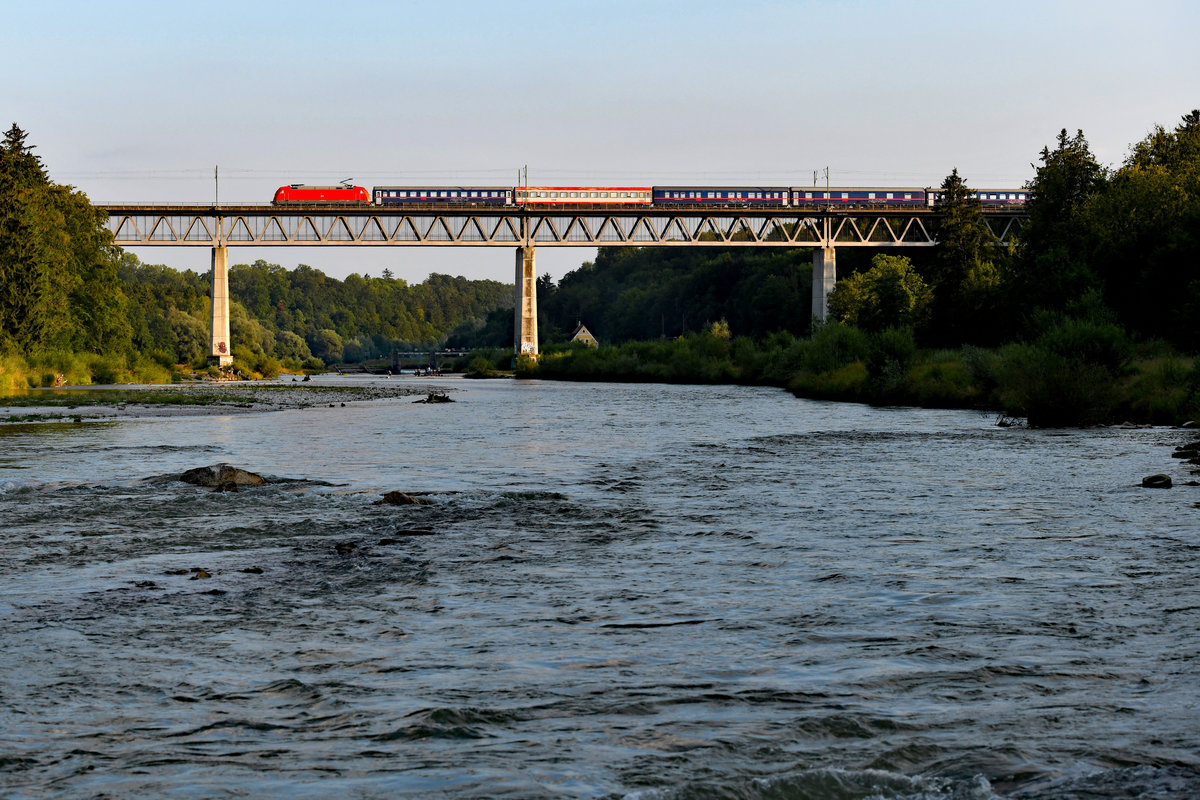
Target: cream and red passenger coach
{"points": [[584, 195]]}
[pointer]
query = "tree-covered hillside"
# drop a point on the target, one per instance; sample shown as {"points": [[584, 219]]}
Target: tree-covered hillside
{"points": [[1089, 315], [58, 268], [645, 293], [73, 304]]}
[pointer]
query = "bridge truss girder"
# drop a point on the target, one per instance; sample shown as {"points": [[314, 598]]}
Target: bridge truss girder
{"points": [[269, 226]]}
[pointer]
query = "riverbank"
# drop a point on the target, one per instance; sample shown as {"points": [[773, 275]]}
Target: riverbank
{"points": [[1070, 379], [92, 403]]}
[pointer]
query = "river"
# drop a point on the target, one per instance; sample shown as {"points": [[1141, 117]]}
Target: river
{"points": [[617, 591]]}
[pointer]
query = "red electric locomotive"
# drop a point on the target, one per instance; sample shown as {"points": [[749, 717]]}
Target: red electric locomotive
{"points": [[299, 194]]}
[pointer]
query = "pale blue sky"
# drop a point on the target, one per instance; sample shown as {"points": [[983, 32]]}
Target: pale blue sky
{"points": [[139, 100]]}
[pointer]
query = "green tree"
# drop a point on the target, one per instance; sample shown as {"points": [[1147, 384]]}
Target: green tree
{"points": [[58, 268], [965, 278], [1142, 234], [1051, 269], [18, 164], [326, 345], [891, 294], [290, 345]]}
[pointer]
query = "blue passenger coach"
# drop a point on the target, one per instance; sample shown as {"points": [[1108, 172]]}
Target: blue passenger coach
{"points": [[720, 196], [859, 196], [442, 195]]}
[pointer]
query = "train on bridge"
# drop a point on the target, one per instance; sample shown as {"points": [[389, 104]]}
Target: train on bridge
{"points": [[636, 196]]}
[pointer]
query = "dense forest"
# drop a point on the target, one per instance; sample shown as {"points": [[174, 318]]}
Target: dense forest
{"points": [[1119, 247], [1090, 315], [75, 308]]}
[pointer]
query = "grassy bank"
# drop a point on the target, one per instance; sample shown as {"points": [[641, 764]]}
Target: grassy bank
{"points": [[1074, 374], [21, 373]]}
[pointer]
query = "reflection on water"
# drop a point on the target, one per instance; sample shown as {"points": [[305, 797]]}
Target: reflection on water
{"points": [[645, 591]]}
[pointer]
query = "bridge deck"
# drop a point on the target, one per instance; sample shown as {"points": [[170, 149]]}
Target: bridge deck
{"points": [[261, 225]]}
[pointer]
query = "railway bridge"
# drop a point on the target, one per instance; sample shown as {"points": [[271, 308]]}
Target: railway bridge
{"points": [[525, 229]]}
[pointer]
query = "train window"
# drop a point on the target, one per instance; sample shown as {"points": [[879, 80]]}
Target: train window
{"points": [[889, 196], [574, 194], [870, 195], [595, 194], [624, 194]]}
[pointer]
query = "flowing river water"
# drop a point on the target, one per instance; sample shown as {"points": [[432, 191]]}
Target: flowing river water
{"points": [[617, 591]]}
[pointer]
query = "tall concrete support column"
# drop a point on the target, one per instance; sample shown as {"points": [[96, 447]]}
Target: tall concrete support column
{"points": [[824, 277], [220, 352], [525, 330]]}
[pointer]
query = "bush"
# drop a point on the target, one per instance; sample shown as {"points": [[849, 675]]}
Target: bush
{"points": [[943, 379], [526, 366], [891, 352], [1101, 343], [13, 375], [834, 346], [848, 382], [1051, 390], [480, 367]]}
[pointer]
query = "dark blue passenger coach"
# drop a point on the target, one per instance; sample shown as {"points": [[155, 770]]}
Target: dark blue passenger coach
{"points": [[859, 196], [720, 195], [442, 195]]}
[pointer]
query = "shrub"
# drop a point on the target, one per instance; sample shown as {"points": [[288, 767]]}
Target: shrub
{"points": [[1101, 343], [1051, 390], [480, 367], [848, 382], [942, 380], [833, 346]]}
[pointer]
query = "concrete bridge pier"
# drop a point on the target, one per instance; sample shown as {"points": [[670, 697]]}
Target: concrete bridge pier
{"points": [[220, 351], [824, 277], [525, 339]]}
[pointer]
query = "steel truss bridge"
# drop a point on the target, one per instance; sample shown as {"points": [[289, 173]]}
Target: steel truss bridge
{"points": [[292, 226], [526, 229]]}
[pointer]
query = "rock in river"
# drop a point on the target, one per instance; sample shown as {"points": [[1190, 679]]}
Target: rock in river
{"points": [[402, 499], [221, 475]]}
